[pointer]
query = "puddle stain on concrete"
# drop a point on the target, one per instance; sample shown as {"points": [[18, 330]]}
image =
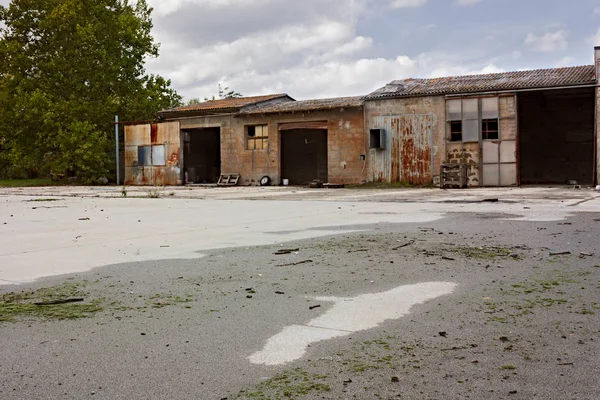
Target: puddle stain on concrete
{"points": [[347, 316]]}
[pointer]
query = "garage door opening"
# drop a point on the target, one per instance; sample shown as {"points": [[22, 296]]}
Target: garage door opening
{"points": [[202, 155], [556, 136], [304, 155]]}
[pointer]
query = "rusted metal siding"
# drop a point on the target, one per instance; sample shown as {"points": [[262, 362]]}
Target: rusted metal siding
{"points": [[165, 134], [407, 156]]}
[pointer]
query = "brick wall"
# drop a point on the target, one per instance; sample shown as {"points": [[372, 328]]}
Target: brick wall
{"points": [[346, 144]]}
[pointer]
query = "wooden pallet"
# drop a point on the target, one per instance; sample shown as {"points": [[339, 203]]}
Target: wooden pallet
{"points": [[228, 179], [453, 176]]}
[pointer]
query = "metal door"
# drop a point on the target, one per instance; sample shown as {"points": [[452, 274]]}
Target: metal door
{"points": [[498, 146], [499, 162], [407, 155]]}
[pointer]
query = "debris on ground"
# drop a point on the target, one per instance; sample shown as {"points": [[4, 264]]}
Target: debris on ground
{"points": [[285, 251], [57, 302], [296, 263], [313, 307], [404, 245]]}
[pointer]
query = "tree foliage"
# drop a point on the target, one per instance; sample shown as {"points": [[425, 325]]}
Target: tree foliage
{"points": [[224, 93], [67, 67]]}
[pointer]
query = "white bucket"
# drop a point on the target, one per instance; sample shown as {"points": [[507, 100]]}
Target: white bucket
{"points": [[286, 182]]}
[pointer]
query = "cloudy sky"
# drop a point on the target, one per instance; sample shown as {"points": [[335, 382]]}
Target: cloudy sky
{"points": [[324, 48]]}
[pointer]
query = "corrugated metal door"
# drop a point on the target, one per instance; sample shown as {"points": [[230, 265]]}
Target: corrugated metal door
{"points": [[407, 154], [152, 154]]}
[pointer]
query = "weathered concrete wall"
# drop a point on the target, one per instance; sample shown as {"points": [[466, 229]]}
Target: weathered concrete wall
{"points": [[345, 140], [427, 114]]}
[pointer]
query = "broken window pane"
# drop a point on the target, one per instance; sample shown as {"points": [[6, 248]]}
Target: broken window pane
{"points": [[454, 110], [489, 108], [456, 131], [257, 137], [489, 129], [470, 109], [470, 131], [158, 155], [144, 156]]}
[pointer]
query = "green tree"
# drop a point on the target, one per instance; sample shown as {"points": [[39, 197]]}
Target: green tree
{"points": [[66, 68], [224, 93]]}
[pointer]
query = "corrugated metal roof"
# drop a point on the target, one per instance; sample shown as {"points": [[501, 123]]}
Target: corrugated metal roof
{"points": [[305, 105], [227, 104], [532, 79]]}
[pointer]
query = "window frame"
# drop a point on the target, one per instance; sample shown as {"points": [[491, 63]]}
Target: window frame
{"points": [[150, 149], [255, 138], [485, 129], [482, 124]]}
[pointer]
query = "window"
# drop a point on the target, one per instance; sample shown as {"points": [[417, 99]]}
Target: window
{"points": [[257, 137], [456, 131], [489, 129], [151, 155], [472, 119], [144, 156], [376, 138]]}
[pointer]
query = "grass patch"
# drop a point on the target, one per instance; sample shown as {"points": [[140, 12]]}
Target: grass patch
{"points": [[17, 306], [288, 385], [164, 300], [483, 253], [26, 182]]}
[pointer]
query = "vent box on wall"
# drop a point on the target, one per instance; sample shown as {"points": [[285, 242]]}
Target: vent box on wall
{"points": [[377, 139]]}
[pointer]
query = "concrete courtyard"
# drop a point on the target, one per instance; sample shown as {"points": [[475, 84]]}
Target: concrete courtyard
{"points": [[362, 267]]}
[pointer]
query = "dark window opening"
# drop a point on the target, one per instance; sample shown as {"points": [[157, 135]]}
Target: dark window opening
{"points": [[489, 129], [456, 131], [376, 138]]}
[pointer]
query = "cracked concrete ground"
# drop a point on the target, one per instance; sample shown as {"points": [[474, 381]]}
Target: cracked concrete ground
{"points": [[189, 289]]}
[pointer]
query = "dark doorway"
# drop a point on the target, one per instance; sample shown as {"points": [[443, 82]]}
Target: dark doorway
{"points": [[556, 136], [304, 155], [202, 155]]}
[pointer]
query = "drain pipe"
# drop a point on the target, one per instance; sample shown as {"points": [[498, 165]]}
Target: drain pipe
{"points": [[117, 148]]}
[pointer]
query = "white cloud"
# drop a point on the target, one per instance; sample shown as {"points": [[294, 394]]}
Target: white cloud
{"points": [[408, 3], [596, 11], [466, 2], [550, 42], [595, 39], [565, 62], [308, 49]]}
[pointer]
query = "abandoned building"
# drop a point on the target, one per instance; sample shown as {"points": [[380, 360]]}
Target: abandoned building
{"points": [[272, 137], [501, 129]]}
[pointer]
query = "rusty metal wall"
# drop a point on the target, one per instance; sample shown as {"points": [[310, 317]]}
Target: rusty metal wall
{"points": [[407, 156], [165, 134]]}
